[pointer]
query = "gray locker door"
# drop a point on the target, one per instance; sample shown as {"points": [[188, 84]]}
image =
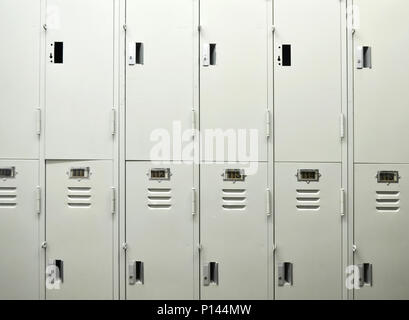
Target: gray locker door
{"points": [[381, 94], [79, 79], [161, 72], [159, 231], [234, 225], [307, 80], [381, 232], [234, 70], [79, 228], [308, 233], [19, 78], [19, 230]]}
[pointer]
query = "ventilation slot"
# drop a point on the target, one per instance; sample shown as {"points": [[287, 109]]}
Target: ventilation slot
{"points": [[79, 197], [387, 201], [234, 199], [159, 198], [8, 197], [308, 200]]}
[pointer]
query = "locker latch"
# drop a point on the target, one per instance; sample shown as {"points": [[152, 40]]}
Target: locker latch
{"points": [[388, 177], [55, 270], [159, 174], [234, 175], [79, 173], [364, 57], [365, 275], [211, 274], [135, 271], [308, 175], [285, 274], [8, 173]]}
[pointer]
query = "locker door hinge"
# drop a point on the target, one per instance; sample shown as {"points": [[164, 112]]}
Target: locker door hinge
{"points": [[113, 125], [342, 126], [124, 246], [45, 27], [274, 248], [193, 123], [199, 28], [268, 124], [273, 29], [124, 27], [113, 201], [194, 204], [38, 200], [38, 122], [199, 247], [268, 202], [342, 202], [44, 245]]}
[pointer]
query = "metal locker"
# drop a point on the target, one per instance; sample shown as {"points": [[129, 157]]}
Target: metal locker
{"points": [[19, 229], [160, 213], [307, 80], [19, 78], [309, 205], [381, 97], [235, 212], [80, 115], [161, 75], [381, 231], [79, 229], [234, 81]]}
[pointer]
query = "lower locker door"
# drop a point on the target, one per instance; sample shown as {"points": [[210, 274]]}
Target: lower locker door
{"points": [[381, 231], [308, 231], [19, 230], [79, 230], [234, 232], [159, 231]]}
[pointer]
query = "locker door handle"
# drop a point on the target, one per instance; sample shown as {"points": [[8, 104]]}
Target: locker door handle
{"points": [[365, 274], [211, 274], [209, 54], [364, 57], [58, 269], [135, 53], [285, 274], [136, 272]]}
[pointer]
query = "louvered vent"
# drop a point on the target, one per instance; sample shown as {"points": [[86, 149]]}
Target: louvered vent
{"points": [[387, 201], [79, 197], [8, 197], [308, 200], [234, 199], [159, 198]]}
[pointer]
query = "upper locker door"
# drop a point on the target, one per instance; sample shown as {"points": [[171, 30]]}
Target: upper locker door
{"points": [[159, 231], [79, 79], [381, 231], [234, 227], [19, 78], [308, 233], [19, 230], [381, 78], [307, 80], [234, 75], [161, 74], [79, 229]]}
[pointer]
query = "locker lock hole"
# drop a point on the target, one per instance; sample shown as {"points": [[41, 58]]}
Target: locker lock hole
{"points": [[388, 177], [79, 173], [7, 173], [234, 175], [159, 174], [308, 175]]}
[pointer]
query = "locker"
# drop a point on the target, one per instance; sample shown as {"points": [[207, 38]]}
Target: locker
{"points": [[161, 74], [381, 236], [308, 218], [19, 78], [79, 229], [307, 80], [79, 79], [234, 40], [19, 230], [380, 56], [234, 232], [160, 231]]}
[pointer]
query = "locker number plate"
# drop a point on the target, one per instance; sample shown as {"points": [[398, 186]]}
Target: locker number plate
{"points": [[388, 177], [234, 175], [308, 175], [8, 172], [159, 174], [79, 173]]}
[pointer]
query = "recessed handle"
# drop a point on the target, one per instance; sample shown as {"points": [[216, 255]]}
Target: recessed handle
{"points": [[209, 54], [365, 274], [285, 274], [211, 274], [136, 272]]}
